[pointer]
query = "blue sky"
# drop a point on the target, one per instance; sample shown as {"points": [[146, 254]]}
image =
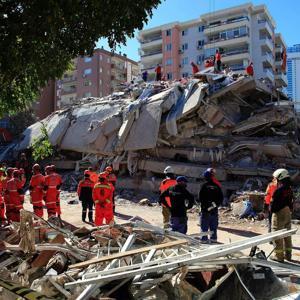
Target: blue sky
{"points": [[286, 14]]}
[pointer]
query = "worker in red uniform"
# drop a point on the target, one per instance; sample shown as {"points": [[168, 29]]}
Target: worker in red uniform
{"points": [[102, 197], [195, 68], [112, 178], [158, 72], [250, 70], [218, 60], [36, 187], [85, 195], [51, 190], [271, 188], [8, 205], [165, 184], [93, 175], [14, 189], [2, 204], [24, 164], [59, 179]]}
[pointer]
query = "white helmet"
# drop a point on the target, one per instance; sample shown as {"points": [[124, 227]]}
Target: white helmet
{"points": [[168, 170], [280, 174]]}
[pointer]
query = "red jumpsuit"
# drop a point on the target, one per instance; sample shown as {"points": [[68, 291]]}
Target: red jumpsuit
{"points": [[14, 192], [102, 197], [36, 186], [2, 205], [52, 184], [58, 209], [8, 205]]}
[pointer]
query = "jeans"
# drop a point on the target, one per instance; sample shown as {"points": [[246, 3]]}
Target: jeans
{"points": [[209, 221], [179, 224]]}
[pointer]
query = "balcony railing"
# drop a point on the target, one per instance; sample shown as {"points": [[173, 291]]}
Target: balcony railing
{"points": [[226, 39], [237, 67], [227, 22], [68, 91], [68, 79], [152, 53], [155, 38], [149, 68], [235, 52]]}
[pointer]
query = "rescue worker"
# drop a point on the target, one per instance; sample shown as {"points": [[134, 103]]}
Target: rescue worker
{"points": [[158, 73], [59, 180], [181, 200], [218, 60], [85, 195], [195, 68], [8, 204], [2, 204], [165, 184], [210, 198], [281, 207], [51, 189], [24, 164], [102, 197], [250, 70], [14, 190], [93, 175], [36, 186], [271, 188], [112, 178]]}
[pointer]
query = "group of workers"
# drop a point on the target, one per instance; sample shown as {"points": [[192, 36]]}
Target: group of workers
{"points": [[98, 190], [175, 200], [42, 188]]}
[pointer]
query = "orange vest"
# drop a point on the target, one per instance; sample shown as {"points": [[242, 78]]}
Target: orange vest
{"points": [[51, 182], [103, 193], [165, 184], [37, 183], [270, 191]]}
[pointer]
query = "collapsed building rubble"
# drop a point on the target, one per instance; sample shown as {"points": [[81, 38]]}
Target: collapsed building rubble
{"points": [[236, 124], [135, 260]]}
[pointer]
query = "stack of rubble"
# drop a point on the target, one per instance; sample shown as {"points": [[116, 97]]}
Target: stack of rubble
{"points": [[236, 124], [55, 260]]}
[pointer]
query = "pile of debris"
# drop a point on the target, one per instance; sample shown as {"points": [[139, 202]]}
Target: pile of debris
{"points": [[55, 260], [235, 123]]}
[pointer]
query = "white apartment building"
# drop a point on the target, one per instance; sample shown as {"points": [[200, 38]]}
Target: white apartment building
{"points": [[242, 34]]}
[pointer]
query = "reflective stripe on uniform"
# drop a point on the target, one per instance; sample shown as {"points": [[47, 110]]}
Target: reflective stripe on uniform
{"points": [[98, 186]]}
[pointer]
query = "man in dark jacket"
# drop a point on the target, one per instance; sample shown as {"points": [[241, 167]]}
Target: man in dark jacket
{"points": [[181, 200], [210, 198]]}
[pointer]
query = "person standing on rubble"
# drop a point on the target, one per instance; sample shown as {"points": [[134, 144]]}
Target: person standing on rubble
{"points": [[145, 76], [180, 201], [24, 164], [85, 195], [59, 180], [36, 187], [250, 70], [158, 72], [281, 208], [165, 184], [195, 68], [51, 191], [210, 198], [218, 60], [112, 178], [102, 197], [93, 175], [271, 188], [15, 194]]}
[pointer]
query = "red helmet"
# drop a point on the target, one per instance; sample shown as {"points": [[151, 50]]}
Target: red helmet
{"points": [[103, 175], [109, 169], [21, 171], [86, 172], [36, 167], [16, 173]]}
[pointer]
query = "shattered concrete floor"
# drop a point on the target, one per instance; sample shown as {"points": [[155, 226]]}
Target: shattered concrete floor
{"points": [[230, 228]]}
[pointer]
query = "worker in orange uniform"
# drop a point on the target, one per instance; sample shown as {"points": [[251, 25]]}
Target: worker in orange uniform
{"points": [[112, 178], [36, 187], [85, 195], [51, 190], [2, 204], [102, 197], [250, 70], [8, 205], [14, 190], [271, 188], [93, 174], [165, 184], [59, 179]]}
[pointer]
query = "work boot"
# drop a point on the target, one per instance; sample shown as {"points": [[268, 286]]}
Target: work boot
{"points": [[83, 216], [91, 217]]}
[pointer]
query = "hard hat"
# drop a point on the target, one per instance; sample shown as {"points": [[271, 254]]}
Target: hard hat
{"points": [[10, 171], [209, 173], [109, 169], [280, 174], [36, 167], [103, 175], [168, 170], [53, 167], [16, 173], [2, 170], [21, 171], [181, 179], [86, 173], [48, 169]]}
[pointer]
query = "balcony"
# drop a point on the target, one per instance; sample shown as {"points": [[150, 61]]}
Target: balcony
{"points": [[152, 42], [267, 43], [68, 79], [281, 80], [268, 59], [234, 55], [228, 24], [221, 42], [152, 56], [264, 25], [68, 91], [224, 26], [148, 68], [268, 73], [237, 67]]}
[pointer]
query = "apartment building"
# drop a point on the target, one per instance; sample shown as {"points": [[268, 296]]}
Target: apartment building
{"points": [[242, 34], [293, 74], [95, 76]]}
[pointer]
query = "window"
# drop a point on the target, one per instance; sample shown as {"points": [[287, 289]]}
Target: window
{"points": [[169, 62], [184, 46], [169, 76], [87, 71], [184, 32], [200, 59], [185, 61], [223, 35], [87, 94], [87, 83], [87, 59], [201, 28], [168, 32], [185, 75], [200, 44], [168, 47], [236, 32]]}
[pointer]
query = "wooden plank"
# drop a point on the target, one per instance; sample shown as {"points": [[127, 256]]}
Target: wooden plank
{"points": [[128, 253]]}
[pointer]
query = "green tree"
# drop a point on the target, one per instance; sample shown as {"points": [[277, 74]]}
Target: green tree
{"points": [[41, 147], [39, 39]]}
